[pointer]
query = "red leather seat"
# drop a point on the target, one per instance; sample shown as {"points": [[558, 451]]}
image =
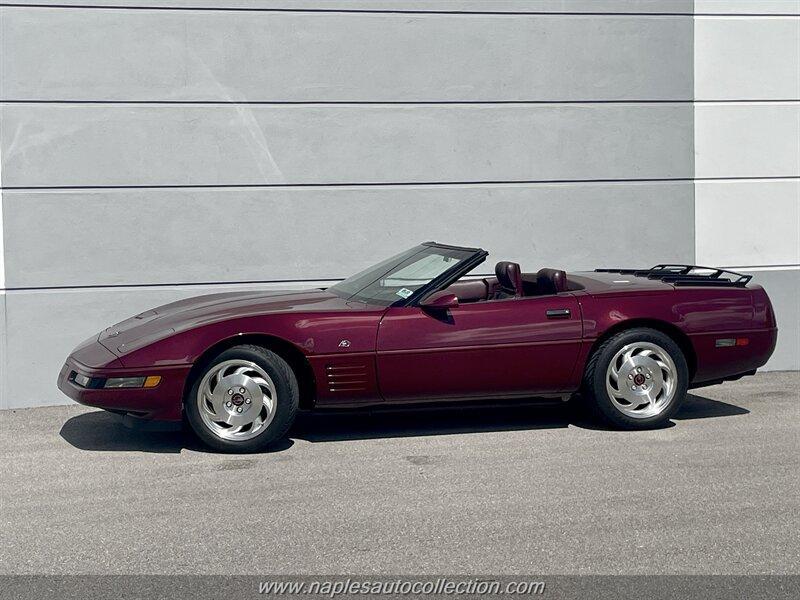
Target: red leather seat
{"points": [[492, 285], [509, 276], [551, 281]]}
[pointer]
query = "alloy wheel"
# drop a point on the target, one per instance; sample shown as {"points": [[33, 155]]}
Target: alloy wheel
{"points": [[641, 380], [236, 400]]}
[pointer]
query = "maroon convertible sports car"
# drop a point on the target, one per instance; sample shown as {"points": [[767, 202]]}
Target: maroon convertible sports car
{"points": [[417, 328]]}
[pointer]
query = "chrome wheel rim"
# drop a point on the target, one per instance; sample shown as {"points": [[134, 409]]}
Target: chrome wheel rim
{"points": [[236, 400], [641, 380]]}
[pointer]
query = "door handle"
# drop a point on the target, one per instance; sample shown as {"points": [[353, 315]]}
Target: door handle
{"points": [[558, 313]]}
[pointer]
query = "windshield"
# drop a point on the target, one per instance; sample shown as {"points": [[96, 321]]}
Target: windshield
{"points": [[397, 278]]}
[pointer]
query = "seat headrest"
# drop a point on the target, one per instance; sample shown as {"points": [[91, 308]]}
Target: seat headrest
{"points": [[509, 276], [551, 281]]}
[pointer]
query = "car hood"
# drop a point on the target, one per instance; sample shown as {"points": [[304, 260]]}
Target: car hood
{"points": [[160, 322]]}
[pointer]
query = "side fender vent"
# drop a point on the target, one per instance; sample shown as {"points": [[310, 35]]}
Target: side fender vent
{"points": [[347, 378]]}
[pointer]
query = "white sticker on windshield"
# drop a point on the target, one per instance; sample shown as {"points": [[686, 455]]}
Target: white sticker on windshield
{"points": [[404, 292]]}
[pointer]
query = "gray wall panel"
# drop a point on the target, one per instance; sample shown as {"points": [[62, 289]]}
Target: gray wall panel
{"points": [[243, 56], [783, 287], [84, 145], [105, 237], [747, 139], [512, 6], [765, 214], [747, 58], [3, 338], [747, 7]]}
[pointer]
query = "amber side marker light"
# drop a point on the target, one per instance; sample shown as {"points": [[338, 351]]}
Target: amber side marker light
{"points": [[152, 381], [133, 382]]}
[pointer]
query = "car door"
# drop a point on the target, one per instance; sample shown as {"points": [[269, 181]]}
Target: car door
{"points": [[496, 348]]}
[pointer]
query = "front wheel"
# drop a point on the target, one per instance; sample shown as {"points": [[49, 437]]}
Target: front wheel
{"points": [[243, 400], [637, 379]]}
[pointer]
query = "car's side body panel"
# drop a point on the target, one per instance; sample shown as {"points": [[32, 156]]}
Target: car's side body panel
{"points": [[498, 348], [338, 344], [703, 315]]}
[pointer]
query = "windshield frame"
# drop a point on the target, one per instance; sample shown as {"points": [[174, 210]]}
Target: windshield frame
{"points": [[474, 257]]}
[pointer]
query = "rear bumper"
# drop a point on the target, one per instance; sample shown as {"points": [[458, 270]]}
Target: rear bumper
{"points": [[724, 363], [163, 402]]}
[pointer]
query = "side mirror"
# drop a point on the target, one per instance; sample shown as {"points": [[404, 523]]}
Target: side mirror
{"points": [[440, 301]]}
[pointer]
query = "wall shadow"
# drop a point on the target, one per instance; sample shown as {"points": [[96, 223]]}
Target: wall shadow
{"points": [[100, 431]]}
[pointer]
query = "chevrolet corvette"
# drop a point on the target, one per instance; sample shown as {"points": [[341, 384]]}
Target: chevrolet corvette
{"points": [[417, 327]]}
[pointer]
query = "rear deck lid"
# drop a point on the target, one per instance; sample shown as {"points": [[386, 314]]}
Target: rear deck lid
{"points": [[605, 283]]}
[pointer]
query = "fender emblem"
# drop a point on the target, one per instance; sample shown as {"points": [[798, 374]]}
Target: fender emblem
{"points": [[344, 344]]}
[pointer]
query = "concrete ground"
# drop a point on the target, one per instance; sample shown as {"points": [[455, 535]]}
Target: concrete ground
{"points": [[532, 489]]}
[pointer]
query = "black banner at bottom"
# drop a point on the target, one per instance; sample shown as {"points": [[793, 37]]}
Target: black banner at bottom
{"points": [[201, 587]]}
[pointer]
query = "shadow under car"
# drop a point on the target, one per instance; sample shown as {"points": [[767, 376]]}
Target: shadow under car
{"points": [[102, 431]]}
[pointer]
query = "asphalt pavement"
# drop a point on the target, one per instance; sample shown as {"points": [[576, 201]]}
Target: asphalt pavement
{"points": [[500, 490]]}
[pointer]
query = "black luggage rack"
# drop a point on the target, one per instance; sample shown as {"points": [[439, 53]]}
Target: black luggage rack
{"points": [[686, 275]]}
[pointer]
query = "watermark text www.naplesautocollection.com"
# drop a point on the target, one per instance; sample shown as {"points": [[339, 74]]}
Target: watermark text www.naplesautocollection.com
{"points": [[551, 587], [395, 587]]}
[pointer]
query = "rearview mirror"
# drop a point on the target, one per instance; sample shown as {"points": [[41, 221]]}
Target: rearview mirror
{"points": [[440, 301]]}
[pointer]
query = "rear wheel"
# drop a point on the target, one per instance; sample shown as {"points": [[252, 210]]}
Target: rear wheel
{"points": [[637, 379], [243, 400]]}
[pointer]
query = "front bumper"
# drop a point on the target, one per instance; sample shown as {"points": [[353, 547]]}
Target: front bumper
{"points": [[163, 402]]}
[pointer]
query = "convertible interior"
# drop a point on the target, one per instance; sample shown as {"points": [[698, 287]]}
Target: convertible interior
{"points": [[510, 282]]}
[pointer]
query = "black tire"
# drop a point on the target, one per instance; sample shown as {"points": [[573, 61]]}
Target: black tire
{"points": [[594, 391], [288, 398]]}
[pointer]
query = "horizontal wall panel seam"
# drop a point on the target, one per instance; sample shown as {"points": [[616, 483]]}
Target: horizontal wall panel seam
{"points": [[303, 282], [746, 178], [740, 16], [172, 284], [393, 11], [792, 267], [346, 104], [350, 10], [632, 102], [396, 184]]}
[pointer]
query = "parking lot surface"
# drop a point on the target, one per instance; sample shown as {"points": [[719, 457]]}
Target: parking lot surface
{"points": [[493, 490]]}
